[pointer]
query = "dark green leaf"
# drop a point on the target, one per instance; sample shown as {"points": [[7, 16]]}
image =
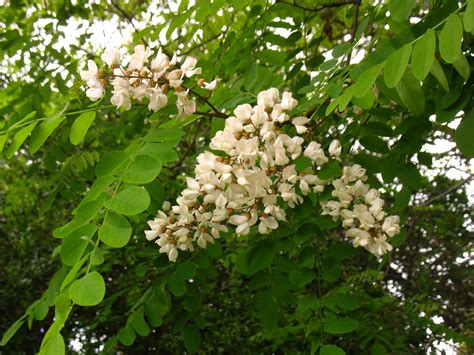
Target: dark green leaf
{"points": [[192, 338], [340, 325], [465, 135]]}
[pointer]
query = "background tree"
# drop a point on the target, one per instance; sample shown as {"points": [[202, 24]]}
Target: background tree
{"points": [[386, 79]]}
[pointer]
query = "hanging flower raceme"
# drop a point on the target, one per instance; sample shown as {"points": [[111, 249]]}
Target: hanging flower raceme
{"points": [[143, 77], [254, 179]]}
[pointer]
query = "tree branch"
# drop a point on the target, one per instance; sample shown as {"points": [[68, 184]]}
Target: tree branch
{"points": [[459, 184], [316, 9], [355, 26], [205, 100]]}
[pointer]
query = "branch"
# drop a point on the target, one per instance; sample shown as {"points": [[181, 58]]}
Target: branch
{"points": [[322, 7], [459, 184], [202, 98], [211, 114], [355, 26]]}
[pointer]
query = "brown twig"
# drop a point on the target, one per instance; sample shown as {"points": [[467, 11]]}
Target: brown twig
{"points": [[316, 9], [452, 188], [211, 114], [355, 26], [205, 100]]}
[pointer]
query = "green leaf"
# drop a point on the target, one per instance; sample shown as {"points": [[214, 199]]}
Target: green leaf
{"points": [[130, 201], [302, 277], [423, 54], [268, 310], [75, 244], [438, 72], [330, 269], [340, 325], [54, 346], [462, 66], [62, 304], [396, 65], [331, 350], [159, 134], [464, 135], [41, 310], [44, 130], [126, 336], [366, 80], [344, 301], [18, 139], [142, 170], [162, 151], [139, 324], [345, 98], [410, 176], [192, 338], [111, 163], [261, 256], [401, 9], [186, 270], [115, 230], [3, 140], [450, 39], [330, 171], [374, 144], [88, 290], [80, 126], [332, 105], [12, 330], [410, 92], [468, 18], [176, 284]]}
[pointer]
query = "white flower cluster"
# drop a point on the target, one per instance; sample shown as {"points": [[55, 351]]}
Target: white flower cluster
{"points": [[143, 77], [361, 211], [253, 180]]}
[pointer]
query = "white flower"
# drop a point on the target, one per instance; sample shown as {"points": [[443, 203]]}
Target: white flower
{"points": [[268, 98], [335, 149], [209, 86], [242, 223], [111, 57], [166, 206], [314, 152], [299, 123], [185, 105], [139, 57], [288, 103], [92, 71], [391, 225], [95, 93], [267, 224], [158, 100], [160, 63], [188, 67]]}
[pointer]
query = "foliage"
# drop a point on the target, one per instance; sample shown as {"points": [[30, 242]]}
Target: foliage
{"points": [[76, 265]]}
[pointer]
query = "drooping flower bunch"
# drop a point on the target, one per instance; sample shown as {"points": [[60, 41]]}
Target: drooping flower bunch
{"points": [[143, 77], [255, 177]]}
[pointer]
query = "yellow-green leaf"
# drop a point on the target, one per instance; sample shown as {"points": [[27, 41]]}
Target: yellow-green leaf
{"points": [[80, 126], [423, 54], [450, 39], [395, 65]]}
